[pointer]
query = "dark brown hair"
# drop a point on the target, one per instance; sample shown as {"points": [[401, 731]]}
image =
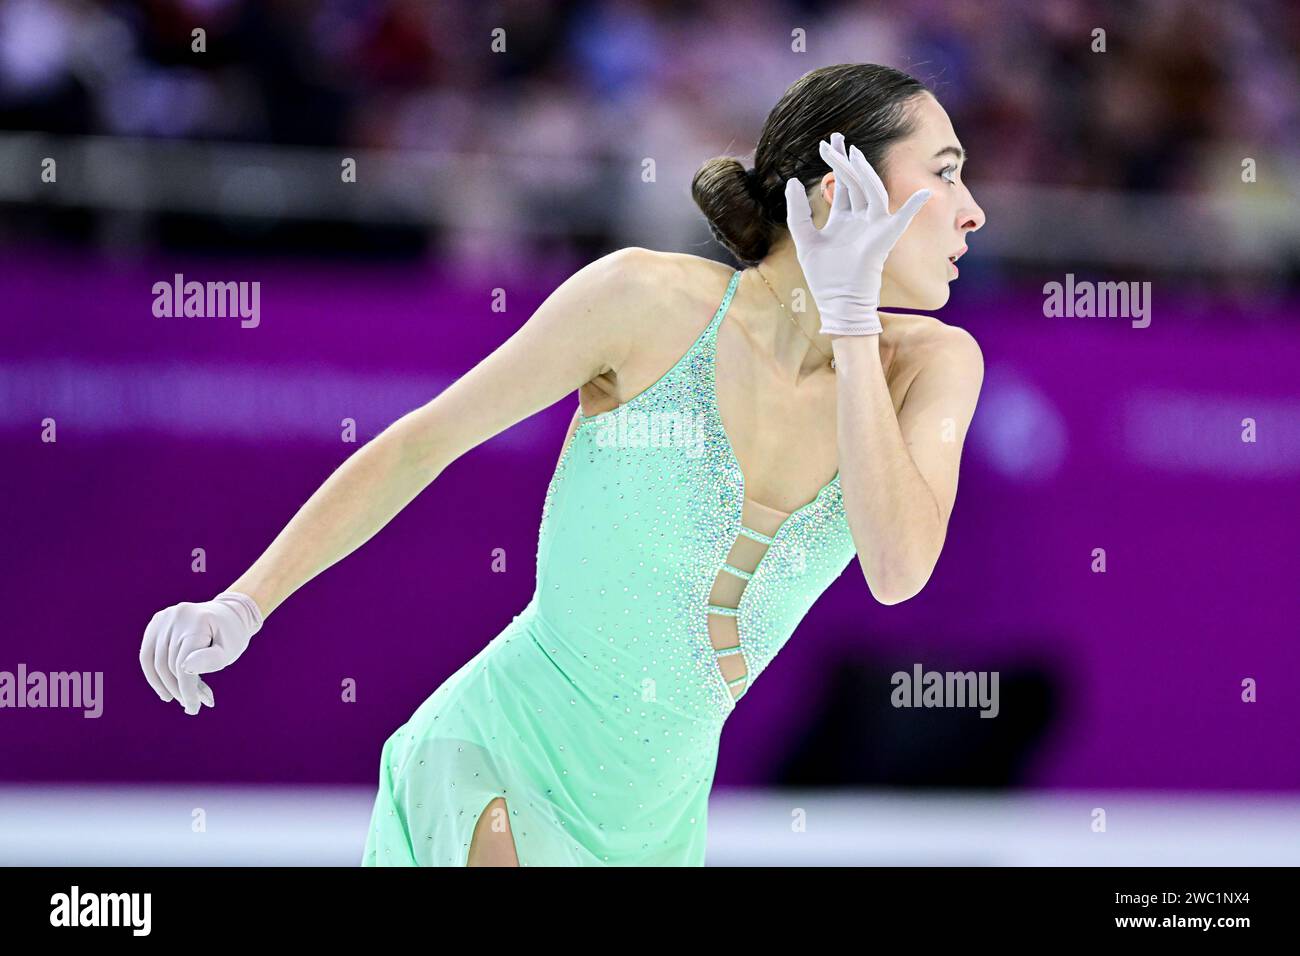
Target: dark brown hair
{"points": [[866, 102]]}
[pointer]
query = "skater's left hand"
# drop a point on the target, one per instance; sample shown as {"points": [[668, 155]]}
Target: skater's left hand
{"points": [[843, 261]]}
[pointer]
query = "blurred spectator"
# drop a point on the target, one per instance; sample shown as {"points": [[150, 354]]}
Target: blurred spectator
{"points": [[1183, 92]]}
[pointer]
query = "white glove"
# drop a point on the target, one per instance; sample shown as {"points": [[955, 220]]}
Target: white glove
{"points": [[843, 260], [187, 639]]}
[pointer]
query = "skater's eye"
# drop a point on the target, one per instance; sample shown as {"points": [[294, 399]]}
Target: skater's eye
{"points": [[943, 174]]}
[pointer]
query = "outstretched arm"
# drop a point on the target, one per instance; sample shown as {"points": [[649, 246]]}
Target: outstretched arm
{"points": [[572, 337], [582, 330]]}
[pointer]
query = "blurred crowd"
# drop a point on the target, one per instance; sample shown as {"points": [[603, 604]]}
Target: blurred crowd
{"points": [[1183, 90]]}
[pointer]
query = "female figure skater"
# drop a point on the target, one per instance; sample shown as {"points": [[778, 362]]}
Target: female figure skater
{"points": [[717, 476]]}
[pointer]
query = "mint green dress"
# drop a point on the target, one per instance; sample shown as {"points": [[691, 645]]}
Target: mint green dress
{"points": [[597, 712]]}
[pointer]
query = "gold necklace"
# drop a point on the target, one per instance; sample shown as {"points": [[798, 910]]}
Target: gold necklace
{"points": [[791, 317]]}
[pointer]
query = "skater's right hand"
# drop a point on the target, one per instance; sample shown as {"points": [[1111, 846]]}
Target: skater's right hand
{"points": [[844, 260], [188, 639]]}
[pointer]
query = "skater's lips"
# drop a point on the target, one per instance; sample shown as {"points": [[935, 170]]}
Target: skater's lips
{"points": [[953, 257]]}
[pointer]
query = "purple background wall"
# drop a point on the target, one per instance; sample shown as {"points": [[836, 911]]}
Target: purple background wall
{"points": [[182, 433]]}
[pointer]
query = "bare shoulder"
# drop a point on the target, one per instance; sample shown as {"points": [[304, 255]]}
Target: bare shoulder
{"points": [[617, 293], [669, 284], [920, 341], [669, 297], [657, 303]]}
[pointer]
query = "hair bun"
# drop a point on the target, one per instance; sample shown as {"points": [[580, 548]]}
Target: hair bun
{"points": [[730, 196]]}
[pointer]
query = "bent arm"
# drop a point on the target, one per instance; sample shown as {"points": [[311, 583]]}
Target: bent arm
{"points": [[575, 335], [900, 472]]}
